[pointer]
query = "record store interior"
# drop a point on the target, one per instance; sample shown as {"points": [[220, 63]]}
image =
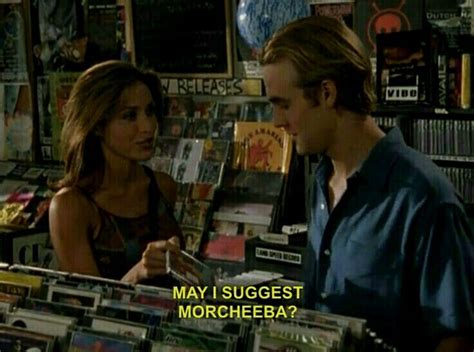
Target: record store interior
{"points": [[236, 175]]}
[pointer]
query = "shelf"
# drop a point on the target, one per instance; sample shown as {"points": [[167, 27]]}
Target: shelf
{"points": [[466, 159], [423, 112]]}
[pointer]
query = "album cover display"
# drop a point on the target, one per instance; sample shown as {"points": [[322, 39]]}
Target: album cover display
{"points": [[192, 238], [180, 106], [257, 111], [18, 339], [195, 213], [260, 146], [228, 111], [222, 129], [166, 147], [145, 318], [88, 341], [222, 246], [202, 128], [405, 72], [215, 150], [174, 126], [210, 172]]}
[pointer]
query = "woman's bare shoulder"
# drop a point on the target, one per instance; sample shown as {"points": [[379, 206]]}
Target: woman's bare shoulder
{"points": [[70, 201]]}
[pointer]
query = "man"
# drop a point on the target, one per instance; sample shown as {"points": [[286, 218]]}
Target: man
{"points": [[389, 240]]}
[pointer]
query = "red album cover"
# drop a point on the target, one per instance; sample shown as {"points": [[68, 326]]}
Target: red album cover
{"points": [[372, 17], [222, 247]]}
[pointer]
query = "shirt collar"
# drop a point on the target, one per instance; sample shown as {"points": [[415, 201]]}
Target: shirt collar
{"points": [[376, 168]]}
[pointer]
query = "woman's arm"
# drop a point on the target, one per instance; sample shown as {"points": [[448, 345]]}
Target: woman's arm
{"points": [[71, 217]]}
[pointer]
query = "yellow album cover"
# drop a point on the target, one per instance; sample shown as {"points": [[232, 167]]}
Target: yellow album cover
{"points": [[19, 278], [260, 146]]}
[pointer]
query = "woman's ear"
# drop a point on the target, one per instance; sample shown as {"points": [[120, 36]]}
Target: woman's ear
{"points": [[328, 93]]}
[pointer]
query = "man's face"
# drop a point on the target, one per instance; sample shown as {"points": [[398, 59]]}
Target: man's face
{"points": [[311, 125]]}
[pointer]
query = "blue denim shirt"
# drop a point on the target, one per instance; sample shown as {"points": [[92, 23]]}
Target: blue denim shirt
{"points": [[397, 249]]}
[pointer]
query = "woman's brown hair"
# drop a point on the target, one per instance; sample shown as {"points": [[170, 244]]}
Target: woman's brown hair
{"points": [[92, 102]]}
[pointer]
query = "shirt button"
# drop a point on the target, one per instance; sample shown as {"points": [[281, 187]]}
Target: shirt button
{"points": [[324, 295], [327, 252], [322, 206]]}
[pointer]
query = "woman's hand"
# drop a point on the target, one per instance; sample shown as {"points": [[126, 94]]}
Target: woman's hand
{"points": [[153, 261]]}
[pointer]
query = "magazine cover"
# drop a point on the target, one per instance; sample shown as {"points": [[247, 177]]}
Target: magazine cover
{"points": [[16, 122], [260, 146], [62, 43], [13, 58]]}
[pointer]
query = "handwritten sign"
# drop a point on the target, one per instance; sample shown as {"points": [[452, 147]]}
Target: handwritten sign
{"points": [[211, 86]]}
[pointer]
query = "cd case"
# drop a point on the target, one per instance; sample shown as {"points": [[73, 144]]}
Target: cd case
{"points": [[188, 270]]}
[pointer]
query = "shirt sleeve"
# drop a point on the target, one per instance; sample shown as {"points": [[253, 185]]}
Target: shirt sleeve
{"points": [[446, 264]]}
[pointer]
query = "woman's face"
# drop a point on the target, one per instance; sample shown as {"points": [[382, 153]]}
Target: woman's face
{"points": [[130, 133]]}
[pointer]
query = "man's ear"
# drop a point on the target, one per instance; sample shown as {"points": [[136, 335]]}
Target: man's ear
{"points": [[328, 93]]}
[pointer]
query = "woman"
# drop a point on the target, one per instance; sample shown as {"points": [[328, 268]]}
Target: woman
{"points": [[111, 216]]}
